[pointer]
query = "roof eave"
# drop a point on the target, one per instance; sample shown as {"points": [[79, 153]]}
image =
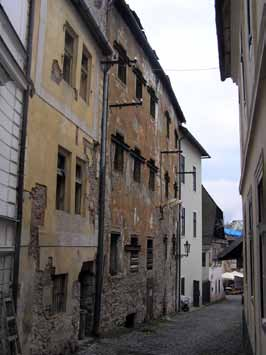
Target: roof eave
{"points": [[130, 20], [93, 26]]}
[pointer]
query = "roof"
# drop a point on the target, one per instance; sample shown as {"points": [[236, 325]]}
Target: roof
{"points": [[93, 26], [233, 233], [133, 22], [212, 219], [222, 12], [194, 142], [233, 251]]}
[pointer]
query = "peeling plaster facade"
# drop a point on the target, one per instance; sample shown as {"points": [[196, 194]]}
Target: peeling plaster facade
{"points": [[132, 209], [59, 242]]}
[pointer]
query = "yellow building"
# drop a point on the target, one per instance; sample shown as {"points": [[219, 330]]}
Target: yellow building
{"points": [[60, 221]]}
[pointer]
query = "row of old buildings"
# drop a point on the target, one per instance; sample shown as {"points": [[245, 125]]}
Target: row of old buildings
{"points": [[100, 182], [241, 41]]}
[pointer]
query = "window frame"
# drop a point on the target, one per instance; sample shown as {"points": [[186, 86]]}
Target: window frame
{"points": [[87, 72], [72, 70]]}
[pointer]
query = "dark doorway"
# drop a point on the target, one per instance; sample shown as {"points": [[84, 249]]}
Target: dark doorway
{"points": [[87, 297], [206, 292], [149, 315], [196, 293], [130, 320]]}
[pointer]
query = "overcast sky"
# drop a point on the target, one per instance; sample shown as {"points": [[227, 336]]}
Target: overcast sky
{"points": [[183, 33]]}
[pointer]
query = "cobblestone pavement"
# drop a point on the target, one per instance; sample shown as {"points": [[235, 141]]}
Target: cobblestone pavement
{"points": [[212, 330]]}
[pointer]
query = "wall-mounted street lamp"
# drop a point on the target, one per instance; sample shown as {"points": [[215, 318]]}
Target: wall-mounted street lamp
{"points": [[187, 246]]}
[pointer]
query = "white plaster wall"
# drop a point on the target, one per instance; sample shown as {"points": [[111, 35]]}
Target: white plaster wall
{"points": [[191, 266], [215, 274], [10, 123]]}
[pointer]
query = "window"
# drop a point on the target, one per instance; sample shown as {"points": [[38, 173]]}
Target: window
{"points": [[119, 153], [166, 184], [175, 190], [61, 182], [122, 62], [183, 286], [174, 245], [153, 170], [69, 56], [219, 286], [183, 221], [182, 168], [85, 75], [168, 122], [134, 254], [114, 253], [251, 246], [137, 165], [176, 139], [194, 224], [203, 259], [165, 242], [59, 293], [194, 178], [153, 101], [78, 188], [149, 254]]}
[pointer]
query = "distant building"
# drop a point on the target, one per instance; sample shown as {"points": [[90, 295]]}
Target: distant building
{"points": [[191, 216], [242, 51], [213, 242]]}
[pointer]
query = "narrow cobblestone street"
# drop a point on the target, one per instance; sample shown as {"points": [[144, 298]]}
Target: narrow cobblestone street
{"points": [[212, 330]]}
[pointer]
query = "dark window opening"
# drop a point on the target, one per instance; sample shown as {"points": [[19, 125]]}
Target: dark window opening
{"points": [[153, 101], [122, 63], [183, 286], [194, 224], [59, 293], [203, 259], [182, 168], [114, 253], [183, 221], [68, 64], [137, 166], [134, 255], [152, 174], [61, 182], [166, 184], [85, 74], [175, 190], [119, 154], [176, 139], [165, 242], [168, 123], [78, 189], [149, 254], [194, 178], [138, 87], [130, 320], [174, 245]]}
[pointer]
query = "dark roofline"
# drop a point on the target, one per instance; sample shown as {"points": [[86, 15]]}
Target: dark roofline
{"points": [[130, 20], [93, 26], [194, 142], [203, 187], [219, 4]]}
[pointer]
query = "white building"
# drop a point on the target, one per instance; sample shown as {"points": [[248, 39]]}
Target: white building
{"points": [[191, 216], [13, 91]]}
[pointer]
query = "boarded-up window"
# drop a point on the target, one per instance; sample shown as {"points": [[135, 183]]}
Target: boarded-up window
{"points": [[149, 254], [134, 254], [59, 293]]}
